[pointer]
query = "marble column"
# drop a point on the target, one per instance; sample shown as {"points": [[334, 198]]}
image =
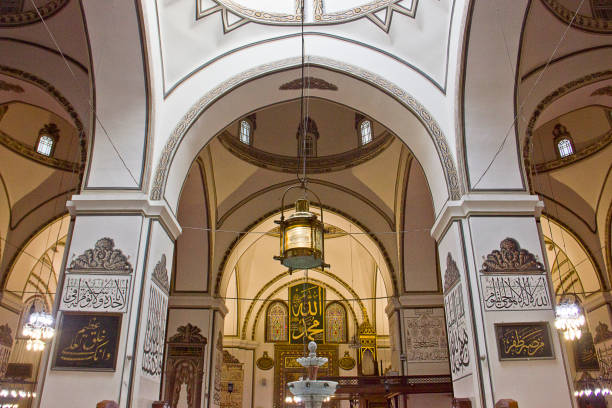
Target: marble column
{"points": [[498, 303]]}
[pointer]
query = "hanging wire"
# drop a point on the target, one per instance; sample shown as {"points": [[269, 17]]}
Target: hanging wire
{"points": [[88, 99]]}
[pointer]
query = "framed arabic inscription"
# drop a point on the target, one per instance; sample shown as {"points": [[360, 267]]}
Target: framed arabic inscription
{"points": [[87, 342], [306, 315], [524, 341]]}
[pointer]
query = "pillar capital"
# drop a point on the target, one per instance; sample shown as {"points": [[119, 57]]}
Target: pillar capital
{"points": [[199, 302], [486, 204], [124, 202], [596, 300]]}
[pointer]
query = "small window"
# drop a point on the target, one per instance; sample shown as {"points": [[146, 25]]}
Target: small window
{"points": [[45, 145], [245, 132], [565, 147], [365, 129], [307, 141]]}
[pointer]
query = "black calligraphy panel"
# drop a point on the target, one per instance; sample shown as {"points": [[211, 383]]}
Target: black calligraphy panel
{"points": [[306, 313], [520, 341], [155, 333], [585, 356], [88, 342]]}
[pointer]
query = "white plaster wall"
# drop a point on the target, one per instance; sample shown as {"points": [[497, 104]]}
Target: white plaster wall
{"points": [[126, 231], [551, 389]]}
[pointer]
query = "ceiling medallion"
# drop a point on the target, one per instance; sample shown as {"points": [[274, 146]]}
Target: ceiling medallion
{"points": [[235, 13]]}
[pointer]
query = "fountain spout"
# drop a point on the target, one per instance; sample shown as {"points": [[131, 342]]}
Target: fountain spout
{"points": [[312, 392]]}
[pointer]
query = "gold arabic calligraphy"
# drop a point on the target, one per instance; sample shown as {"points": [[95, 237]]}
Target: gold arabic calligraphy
{"points": [[306, 318], [523, 342], [88, 344]]}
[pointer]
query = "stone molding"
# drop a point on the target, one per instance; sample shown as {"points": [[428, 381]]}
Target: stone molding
{"points": [[103, 257], [486, 204], [446, 158], [124, 202], [198, 302]]}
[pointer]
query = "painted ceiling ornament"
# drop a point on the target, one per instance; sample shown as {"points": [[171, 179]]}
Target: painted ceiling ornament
{"points": [[160, 274], [104, 257], [311, 83], [597, 22], [6, 86], [265, 362], [187, 334], [236, 13], [451, 275], [603, 91], [511, 258], [12, 16], [347, 362]]}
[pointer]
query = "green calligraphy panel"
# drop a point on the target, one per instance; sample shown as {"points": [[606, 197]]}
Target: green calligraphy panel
{"points": [[306, 314]]}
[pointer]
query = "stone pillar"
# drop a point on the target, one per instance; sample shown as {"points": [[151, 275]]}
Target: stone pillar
{"points": [[111, 304], [498, 303], [599, 320]]}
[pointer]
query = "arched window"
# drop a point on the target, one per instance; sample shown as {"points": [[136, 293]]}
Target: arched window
{"points": [[245, 132], [563, 141], [565, 147], [47, 139], [307, 141], [336, 330], [365, 132], [277, 322]]}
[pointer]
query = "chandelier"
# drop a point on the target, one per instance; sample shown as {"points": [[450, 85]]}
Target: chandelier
{"points": [[301, 234], [38, 329], [569, 317], [589, 387]]}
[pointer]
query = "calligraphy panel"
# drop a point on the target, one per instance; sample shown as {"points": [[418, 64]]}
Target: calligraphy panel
{"points": [[425, 335], [457, 330], [306, 313], [515, 292], [153, 352], [585, 356], [96, 293], [88, 342], [524, 341]]}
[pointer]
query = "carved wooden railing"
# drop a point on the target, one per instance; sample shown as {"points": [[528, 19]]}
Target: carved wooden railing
{"points": [[420, 384]]}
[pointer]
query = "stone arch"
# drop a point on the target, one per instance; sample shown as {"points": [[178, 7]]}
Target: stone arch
{"points": [[168, 176]]}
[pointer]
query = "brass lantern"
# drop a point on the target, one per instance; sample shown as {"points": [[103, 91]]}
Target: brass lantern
{"points": [[301, 238]]}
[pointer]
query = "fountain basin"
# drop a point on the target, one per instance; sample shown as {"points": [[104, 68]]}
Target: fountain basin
{"points": [[312, 393]]}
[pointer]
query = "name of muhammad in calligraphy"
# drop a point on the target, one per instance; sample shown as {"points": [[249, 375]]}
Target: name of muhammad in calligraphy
{"points": [[89, 344], [524, 341], [515, 292], [306, 318], [96, 293]]}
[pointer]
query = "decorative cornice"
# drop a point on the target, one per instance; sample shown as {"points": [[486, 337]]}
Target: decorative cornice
{"points": [[228, 358], [160, 274], [5, 86], [547, 101], [188, 334], [103, 257], [451, 275], [314, 165], [173, 142], [605, 91], [31, 15], [51, 90], [587, 23], [511, 259], [311, 83], [591, 149], [26, 151]]}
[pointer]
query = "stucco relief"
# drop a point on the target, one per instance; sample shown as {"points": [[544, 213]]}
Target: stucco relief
{"points": [[425, 335], [289, 12]]}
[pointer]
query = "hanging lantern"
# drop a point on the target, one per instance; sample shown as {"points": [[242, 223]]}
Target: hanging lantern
{"points": [[38, 329], [569, 317], [301, 237]]}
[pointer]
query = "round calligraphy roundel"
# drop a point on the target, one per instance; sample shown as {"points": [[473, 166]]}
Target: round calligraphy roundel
{"points": [[288, 12]]}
